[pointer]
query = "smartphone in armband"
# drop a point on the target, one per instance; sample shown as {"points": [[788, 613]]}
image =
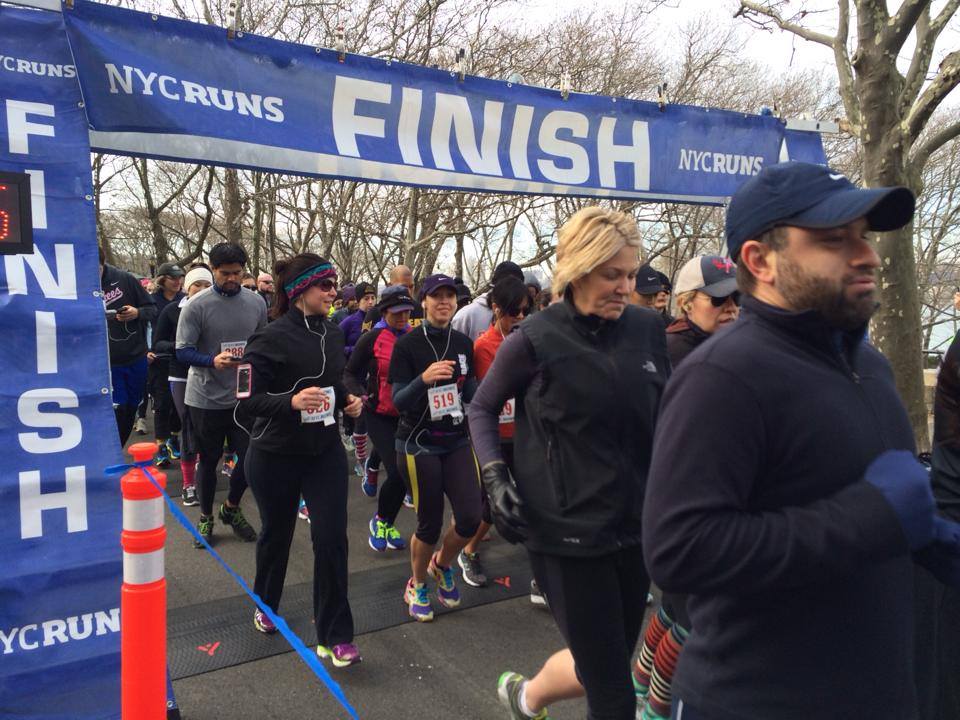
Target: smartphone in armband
{"points": [[244, 381]]}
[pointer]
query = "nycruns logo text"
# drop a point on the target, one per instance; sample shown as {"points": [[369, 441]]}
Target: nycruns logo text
{"points": [[51, 632], [724, 163]]}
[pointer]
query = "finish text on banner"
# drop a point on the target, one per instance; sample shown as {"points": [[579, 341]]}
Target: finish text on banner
{"points": [[59, 539], [168, 88]]}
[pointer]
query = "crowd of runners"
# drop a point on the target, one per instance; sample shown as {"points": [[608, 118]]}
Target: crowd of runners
{"points": [[750, 456]]}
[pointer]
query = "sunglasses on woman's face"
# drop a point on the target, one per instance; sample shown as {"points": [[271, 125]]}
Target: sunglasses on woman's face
{"points": [[327, 285], [519, 312], [721, 301]]}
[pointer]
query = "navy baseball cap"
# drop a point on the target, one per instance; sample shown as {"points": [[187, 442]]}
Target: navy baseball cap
{"points": [[810, 196], [432, 283], [395, 298]]}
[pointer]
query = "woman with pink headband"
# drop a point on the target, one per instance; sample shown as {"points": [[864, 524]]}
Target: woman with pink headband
{"points": [[290, 389]]}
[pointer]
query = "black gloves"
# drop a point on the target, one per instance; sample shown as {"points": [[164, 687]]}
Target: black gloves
{"points": [[505, 502]]}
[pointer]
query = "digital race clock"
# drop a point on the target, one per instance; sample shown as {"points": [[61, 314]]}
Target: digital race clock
{"points": [[16, 227]]}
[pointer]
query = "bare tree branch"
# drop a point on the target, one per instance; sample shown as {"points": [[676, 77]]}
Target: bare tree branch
{"points": [[947, 78], [933, 143]]}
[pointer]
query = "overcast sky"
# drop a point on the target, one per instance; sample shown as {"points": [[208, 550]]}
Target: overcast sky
{"points": [[781, 50]]}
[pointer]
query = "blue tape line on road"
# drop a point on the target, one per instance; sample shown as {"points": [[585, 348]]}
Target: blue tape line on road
{"points": [[309, 656]]}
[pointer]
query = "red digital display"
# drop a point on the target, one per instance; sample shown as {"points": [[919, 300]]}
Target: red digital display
{"points": [[16, 234], [9, 213]]}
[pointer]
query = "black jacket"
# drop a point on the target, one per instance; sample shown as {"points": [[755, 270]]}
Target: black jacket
{"points": [[286, 357], [161, 301], [584, 427], [800, 577], [683, 336], [128, 340], [945, 475], [412, 354], [165, 340]]}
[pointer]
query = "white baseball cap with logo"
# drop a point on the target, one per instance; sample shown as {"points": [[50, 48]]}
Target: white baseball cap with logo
{"points": [[711, 274]]}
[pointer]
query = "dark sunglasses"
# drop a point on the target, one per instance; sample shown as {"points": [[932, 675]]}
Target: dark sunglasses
{"points": [[327, 284], [720, 301], [519, 312]]}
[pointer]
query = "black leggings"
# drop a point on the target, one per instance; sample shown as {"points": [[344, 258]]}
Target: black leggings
{"points": [[277, 482], [598, 603], [382, 430], [166, 420], [178, 391], [210, 428], [453, 474]]}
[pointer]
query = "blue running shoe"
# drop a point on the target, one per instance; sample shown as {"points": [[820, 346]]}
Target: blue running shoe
{"points": [[162, 458], [369, 480], [395, 540], [378, 534], [173, 446], [447, 592], [418, 603]]}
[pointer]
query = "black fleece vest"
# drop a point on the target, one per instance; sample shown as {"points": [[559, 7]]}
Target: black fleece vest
{"points": [[585, 427]]}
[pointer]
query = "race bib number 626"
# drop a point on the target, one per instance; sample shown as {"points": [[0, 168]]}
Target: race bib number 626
{"points": [[324, 413]]}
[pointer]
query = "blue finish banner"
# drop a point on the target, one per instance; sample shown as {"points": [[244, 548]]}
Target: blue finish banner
{"points": [[167, 88], [61, 567]]}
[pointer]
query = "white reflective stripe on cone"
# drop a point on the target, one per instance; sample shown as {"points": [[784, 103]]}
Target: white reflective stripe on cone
{"points": [[143, 568], [143, 514]]}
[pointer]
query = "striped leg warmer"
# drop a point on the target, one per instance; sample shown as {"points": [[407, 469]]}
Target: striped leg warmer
{"points": [[360, 447], [643, 667], [664, 665]]}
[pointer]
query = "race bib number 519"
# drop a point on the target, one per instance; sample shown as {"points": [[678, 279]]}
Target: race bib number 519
{"points": [[444, 400]]}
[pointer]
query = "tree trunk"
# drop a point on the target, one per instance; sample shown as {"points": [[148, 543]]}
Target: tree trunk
{"points": [[233, 207], [896, 325]]}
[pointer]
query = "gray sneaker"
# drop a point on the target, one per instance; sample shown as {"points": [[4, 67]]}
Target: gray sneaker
{"points": [[509, 687], [473, 573], [190, 495]]}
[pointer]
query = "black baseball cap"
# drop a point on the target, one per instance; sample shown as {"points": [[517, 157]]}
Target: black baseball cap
{"points": [[666, 285], [506, 269], [364, 288], [395, 298], [170, 270], [648, 281], [432, 283], [810, 196]]}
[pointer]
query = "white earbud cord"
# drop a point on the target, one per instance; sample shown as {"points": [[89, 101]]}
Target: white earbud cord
{"points": [[416, 438], [323, 368]]}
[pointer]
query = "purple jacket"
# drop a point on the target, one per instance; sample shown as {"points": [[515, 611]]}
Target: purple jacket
{"points": [[352, 326]]}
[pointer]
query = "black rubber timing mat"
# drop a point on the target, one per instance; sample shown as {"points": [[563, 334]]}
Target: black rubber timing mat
{"points": [[213, 635]]}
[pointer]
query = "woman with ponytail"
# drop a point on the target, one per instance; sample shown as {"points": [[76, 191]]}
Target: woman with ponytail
{"points": [[292, 396]]}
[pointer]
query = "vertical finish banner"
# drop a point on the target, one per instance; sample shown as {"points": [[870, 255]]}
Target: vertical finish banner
{"points": [[61, 565]]}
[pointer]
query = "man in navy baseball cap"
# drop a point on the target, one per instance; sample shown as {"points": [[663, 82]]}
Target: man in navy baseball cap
{"points": [[795, 522], [798, 233], [811, 196]]}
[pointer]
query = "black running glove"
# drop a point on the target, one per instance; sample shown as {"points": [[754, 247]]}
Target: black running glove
{"points": [[505, 502]]}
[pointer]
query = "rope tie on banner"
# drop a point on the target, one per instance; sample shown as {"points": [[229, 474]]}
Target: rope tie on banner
{"points": [[309, 656]]}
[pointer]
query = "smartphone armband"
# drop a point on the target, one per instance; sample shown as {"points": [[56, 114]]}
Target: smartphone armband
{"points": [[244, 381]]}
